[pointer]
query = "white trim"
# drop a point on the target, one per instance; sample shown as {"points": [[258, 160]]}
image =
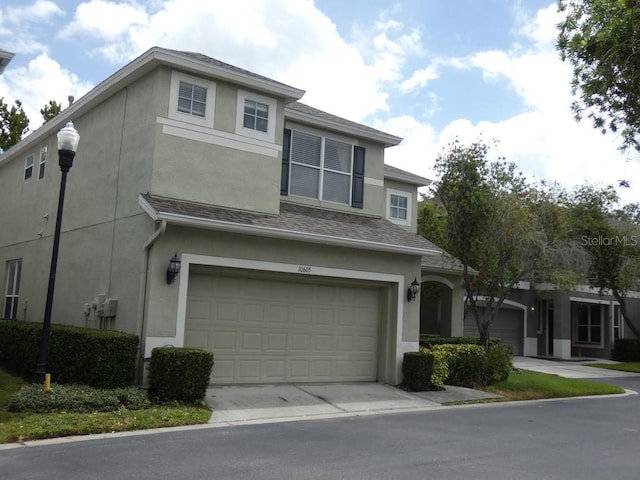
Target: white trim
{"points": [[399, 193], [561, 348], [373, 181], [223, 139], [198, 222], [173, 113], [585, 289], [188, 259], [272, 103]]}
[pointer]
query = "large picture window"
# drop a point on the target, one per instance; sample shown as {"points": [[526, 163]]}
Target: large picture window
{"points": [[588, 319], [321, 168], [12, 289]]}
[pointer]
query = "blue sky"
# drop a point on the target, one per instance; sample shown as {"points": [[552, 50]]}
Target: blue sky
{"points": [[429, 71]]}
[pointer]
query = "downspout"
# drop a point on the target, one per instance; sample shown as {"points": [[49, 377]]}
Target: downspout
{"points": [[142, 303]]}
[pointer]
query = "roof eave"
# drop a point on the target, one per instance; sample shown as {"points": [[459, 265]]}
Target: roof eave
{"points": [[386, 139], [231, 227]]}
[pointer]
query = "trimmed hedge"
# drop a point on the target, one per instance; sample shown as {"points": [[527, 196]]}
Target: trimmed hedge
{"points": [[417, 368], [626, 350], [76, 399], [179, 374], [88, 356], [429, 341]]}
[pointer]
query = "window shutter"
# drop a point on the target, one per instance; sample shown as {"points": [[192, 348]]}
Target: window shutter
{"points": [[286, 149], [357, 196]]}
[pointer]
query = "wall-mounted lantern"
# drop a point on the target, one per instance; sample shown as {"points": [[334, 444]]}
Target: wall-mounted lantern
{"points": [[174, 269], [413, 290]]}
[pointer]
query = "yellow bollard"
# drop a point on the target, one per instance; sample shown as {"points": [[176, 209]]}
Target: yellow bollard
{"points": [[47, 382]]}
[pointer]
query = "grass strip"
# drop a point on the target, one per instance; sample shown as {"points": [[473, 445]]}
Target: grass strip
{"points": [[633, 367]]}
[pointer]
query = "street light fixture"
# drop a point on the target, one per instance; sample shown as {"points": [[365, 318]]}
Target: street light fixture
{"points": [[68, 139]]}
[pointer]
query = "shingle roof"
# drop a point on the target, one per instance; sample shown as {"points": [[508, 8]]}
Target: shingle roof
{"points": [[397, 173], [300, 221], [297, 107]]}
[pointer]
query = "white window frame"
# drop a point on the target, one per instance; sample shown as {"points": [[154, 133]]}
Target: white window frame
{"points": [[12, 287], [43, 162], [574, 322], [29, 162], [321, 167], [399, 193], [174, 114], [272, 103], [615, 308]]}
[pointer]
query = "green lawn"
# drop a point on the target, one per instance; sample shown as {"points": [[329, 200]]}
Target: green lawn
{"points": [[528, 385], [622, 367], [16, 427]]}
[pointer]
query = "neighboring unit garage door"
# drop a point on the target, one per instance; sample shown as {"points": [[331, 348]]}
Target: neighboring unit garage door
{"points": [[507, 326], [270, 331]]}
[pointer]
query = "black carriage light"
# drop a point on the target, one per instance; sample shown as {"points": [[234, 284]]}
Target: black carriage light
{"points": [[174, 269], [413, 290]]}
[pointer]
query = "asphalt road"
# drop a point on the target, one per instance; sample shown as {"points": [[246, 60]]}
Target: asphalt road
{"points": [[586, 439]]}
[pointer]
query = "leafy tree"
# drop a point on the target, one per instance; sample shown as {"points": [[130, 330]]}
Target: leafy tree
{"points": [[612, 245], [432, 221], [13, 124], [490, 227], [50, 110], [601, 40]]}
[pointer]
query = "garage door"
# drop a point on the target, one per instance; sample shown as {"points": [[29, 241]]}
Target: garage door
{"points": [[507, 326], [273, 331]]}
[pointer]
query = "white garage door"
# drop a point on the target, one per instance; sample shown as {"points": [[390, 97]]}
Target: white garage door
{"points": [[270, 331]]}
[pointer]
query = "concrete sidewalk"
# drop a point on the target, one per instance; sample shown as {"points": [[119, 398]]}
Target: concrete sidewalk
{"points": [[233, 405], [569, 368]]}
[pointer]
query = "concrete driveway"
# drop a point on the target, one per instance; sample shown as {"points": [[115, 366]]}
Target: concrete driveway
{"points": [[234, 405], [251, 404]]}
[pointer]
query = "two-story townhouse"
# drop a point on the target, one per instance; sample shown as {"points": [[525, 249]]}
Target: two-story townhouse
{"points": [[297, 245]]}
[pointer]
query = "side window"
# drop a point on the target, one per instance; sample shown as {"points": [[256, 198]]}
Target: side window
{"points": [[28, 166], [399, 207], [256, 116], [192, 99], [12, 289], [43, 162]]}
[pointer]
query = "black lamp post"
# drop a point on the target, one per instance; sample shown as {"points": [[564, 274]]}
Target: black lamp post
{"points": [[68, 139]]}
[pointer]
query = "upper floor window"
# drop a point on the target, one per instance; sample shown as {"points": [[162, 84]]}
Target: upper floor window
{"points": [[12, 289], [320, 168], [256, 115], [399, 207], [28, 166], [43, 162], [192, 99], [327, 169]]}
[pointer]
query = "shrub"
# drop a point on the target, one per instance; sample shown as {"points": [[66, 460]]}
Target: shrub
{"points": [[416, 370], [429, 341], [440, 366], [76, 399], [626, 350], [499, 363], [88, 356], [467, 364], [179, 374]]}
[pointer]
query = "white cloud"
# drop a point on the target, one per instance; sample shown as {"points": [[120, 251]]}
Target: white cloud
{"points": [[20, 26], [105, 20], [41, 80]]}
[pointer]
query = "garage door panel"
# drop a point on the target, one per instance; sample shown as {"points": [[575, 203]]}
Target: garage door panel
{"points": [[285, 332]]}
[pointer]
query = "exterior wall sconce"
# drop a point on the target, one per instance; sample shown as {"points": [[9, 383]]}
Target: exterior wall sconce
{"points": [[174, 269], [413, 290]]}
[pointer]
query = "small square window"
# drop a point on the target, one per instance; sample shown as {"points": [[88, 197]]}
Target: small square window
{"points": [[43, 162], [398, 207], [192, 99], [256, 116], [28, 166]]}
